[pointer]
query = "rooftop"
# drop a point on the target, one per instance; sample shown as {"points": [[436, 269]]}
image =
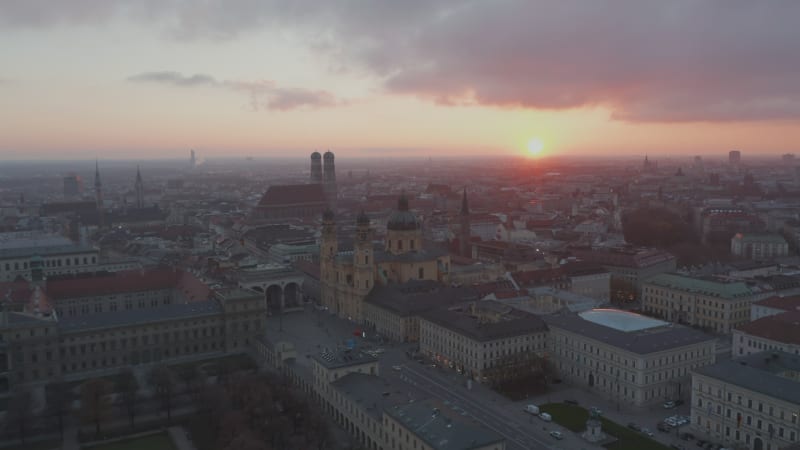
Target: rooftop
{"points": [[128, 281], [639, 341], [292, 195], [139, 316], [12, 245], [442, 428], [334, 359], [621, 320], [783, 327], [768, 373], [486, 320], [703, 286], [791, 303], [374, 393], [417, 296]]}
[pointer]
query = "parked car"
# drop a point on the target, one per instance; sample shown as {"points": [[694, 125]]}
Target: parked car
{"points": [[557, 434], [596, 411], [533, 409], [546, 417], [669, 405], [398, 368], [647, 432]]}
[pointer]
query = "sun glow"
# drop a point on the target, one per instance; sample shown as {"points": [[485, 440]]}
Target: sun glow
{"points": [[535, 146]]}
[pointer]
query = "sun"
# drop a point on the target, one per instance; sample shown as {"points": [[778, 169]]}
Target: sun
{"points": [[535, 146]]}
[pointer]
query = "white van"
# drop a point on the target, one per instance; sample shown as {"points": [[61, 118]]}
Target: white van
{"points": [[546, 417], [532, 409]]}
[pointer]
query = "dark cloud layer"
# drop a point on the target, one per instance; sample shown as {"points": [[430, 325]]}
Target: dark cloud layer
{"points": [[678, 60], [263, 94]]}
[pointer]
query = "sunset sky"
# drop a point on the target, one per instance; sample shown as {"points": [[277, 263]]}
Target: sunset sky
{"points": [[153, 78]]}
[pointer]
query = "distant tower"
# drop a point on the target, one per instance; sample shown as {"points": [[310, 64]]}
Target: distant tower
{"points": [[464, 238], [192, 159], [316, 168], [734, 158], [363, 261], [328, 248], [139, 187], [98, 195], [329, 177]]}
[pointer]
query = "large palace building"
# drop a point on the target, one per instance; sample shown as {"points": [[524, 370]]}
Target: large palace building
{"points": [[347, 277]]}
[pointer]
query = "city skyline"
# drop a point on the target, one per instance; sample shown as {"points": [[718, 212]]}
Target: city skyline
{"points": [[266, 79]]}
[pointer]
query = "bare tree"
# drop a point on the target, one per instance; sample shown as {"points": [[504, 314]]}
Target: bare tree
{"points": [[162, 379], [128, 388], [95, 404], [20, 413]]}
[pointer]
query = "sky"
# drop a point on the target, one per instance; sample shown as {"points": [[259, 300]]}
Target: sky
{"points": [[363, 78]]}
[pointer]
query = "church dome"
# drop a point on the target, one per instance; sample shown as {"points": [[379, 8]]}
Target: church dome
{"points": [[328, 156], [402, 219], [316, 155]]}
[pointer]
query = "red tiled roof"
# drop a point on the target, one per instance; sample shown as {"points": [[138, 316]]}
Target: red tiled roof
{"points": [[784, 327], [293, 194], [129, 281], [311, 269], [785, 303], [15, 292]]}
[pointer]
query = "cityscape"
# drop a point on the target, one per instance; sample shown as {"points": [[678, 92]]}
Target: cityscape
{"points": [[364, 226]]}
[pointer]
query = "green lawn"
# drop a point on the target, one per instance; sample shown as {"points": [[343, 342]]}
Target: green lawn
{"points": [[159, 441], [574, 418]]}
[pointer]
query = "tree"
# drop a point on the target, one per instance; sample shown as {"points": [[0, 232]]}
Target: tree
{"points": [[58, 403], [192, 378], [162, 380], [128, 388], [95, 404], [20, 413]]}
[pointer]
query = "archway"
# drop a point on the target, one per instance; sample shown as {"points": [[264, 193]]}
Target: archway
{"points": [[758, 444], [274, 299], [591, 380], [291, 295]]}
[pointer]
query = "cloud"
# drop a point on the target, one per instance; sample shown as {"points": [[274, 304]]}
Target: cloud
{"points": [[174, 78], [673, 61], [264, 94]]}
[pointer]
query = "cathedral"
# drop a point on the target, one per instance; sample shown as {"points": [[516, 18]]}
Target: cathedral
{"points": [[347, 277]]}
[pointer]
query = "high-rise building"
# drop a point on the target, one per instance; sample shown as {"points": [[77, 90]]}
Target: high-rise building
{"points": [[139, 187], [734, 157], [73, 185], [316, 168]]}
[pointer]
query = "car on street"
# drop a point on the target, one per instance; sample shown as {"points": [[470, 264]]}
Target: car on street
{"points": [[557, 434], [397, 368], [546, 417], [647, 432], [669, 405], [634, 426], [596, 411]]}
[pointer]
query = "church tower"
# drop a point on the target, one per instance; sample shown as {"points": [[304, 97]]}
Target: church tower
{"points": [[363, 261], [329, 247], [329, 178], [98, 195], [139, 187], [316, 168], [464, 239]]}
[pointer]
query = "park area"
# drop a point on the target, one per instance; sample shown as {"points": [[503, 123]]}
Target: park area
{"points": [[157, 441], [574, 418]]}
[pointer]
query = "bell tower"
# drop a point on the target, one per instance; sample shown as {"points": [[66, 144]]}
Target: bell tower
{"points": [[464, 239], [329, 247], [363, 261]]}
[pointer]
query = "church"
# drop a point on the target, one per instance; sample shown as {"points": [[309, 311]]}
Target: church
{"points": [[347, 277]]}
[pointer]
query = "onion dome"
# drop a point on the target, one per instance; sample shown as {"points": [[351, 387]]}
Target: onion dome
{"points": [[328, 156], [316, 156], [403, 219]]}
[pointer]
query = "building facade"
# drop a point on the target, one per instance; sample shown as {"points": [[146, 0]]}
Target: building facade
{"points": [[347, 277], [626, 357], [480, 335], [774, 332], [751, 402], [715, 304], [22, 253], [759, 246]]}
